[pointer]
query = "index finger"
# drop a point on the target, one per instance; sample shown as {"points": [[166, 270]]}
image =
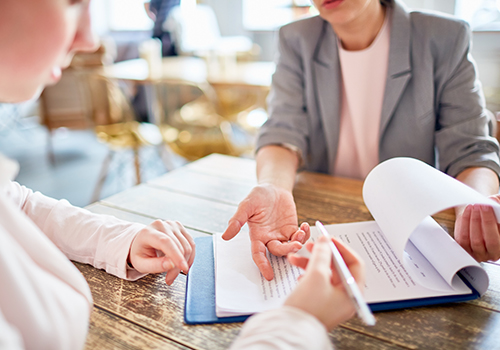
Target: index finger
{"points": [[167, 245], [237, 220], [321, 257], [353, 261]]}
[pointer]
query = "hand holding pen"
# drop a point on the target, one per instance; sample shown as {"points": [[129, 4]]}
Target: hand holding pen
{"points": [[320, 292]]}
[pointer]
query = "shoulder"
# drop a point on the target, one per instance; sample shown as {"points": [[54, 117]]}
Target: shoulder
{"points": [[439, 28], [303, 36], [308, 28]]}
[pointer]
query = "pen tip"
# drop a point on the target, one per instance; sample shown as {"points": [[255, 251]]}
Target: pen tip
{"points": [[370, 320]]}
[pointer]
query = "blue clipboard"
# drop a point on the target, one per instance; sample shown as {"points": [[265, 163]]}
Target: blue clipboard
{"points": [[199, 306]]}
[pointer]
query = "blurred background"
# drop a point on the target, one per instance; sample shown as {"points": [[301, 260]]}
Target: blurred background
{"points": [[172, 82]]}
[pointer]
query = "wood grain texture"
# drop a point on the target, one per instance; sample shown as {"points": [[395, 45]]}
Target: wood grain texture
{"points": [[108, 331], [151, 303], [208, 186], [100, 208], [193, 212], [450, 326], [226, 167], [491, 299]]}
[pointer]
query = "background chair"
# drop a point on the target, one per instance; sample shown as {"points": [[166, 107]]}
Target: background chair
{"points": [[85, 99], [195, 129], [67, 104], [64, 105], [116, 125]]}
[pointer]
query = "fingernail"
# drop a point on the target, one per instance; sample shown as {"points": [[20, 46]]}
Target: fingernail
{"points": [[167, 265], [301, 236]]}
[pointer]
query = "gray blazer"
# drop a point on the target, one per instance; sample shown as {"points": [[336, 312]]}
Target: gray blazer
{"points": [[433, 107]]}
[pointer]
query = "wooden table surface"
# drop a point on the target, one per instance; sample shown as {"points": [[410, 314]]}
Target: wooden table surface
{"points": [[148, 314]]}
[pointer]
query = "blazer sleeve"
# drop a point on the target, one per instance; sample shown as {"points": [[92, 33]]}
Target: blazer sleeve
{"points": [[288, 119], [100, 240], [462, 132]]}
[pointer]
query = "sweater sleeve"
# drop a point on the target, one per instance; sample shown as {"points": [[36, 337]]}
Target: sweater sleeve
{"points": [[284, 328], [10, 338], [100, 240]]}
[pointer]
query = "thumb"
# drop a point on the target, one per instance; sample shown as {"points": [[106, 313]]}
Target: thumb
{"points": [[321, 257], [153, 265], [495, 198]]}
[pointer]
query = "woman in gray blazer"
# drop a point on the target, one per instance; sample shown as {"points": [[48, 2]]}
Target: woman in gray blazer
{"points": [[432, 109]]}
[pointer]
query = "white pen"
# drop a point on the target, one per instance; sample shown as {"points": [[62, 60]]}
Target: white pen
{"points": [[348, 281]]}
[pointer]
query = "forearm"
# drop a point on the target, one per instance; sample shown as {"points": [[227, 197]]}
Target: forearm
{"points": [[483, 180], [100, 240], [277, 165]]}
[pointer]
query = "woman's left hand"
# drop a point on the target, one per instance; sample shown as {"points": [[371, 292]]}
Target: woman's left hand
{"points": [[478, 232]]}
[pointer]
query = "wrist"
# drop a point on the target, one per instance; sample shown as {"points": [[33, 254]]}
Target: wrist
{"points": [[276, 188], [329, 323], [277, 165], [277, 184]]}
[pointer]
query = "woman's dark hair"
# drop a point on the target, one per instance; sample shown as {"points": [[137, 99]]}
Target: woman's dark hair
{"points": [[387, 3]]}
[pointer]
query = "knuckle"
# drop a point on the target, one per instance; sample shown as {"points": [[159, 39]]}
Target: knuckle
{"points": [[157, 223], [477, 242], [489, 220], [164, 239], [460, 240], [475, 219]]}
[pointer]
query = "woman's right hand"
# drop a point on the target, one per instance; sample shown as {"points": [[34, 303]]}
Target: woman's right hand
{"points": [[320, 291], [271, 215]]}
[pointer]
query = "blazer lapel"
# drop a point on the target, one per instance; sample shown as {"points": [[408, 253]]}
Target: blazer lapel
{"points": [[399, 68], [327, 74]]}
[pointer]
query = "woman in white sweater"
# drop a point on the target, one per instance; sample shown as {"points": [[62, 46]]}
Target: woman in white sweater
{"points": [[45, 303]]}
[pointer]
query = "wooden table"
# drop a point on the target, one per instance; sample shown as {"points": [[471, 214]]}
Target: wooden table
{"points": [[203, 195]]}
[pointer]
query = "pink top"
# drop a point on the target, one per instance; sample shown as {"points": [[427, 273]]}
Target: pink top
{"points": [[364, 75]]}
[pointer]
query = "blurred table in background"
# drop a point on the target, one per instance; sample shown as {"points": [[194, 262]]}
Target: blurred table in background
{"points": [[248, 74], [230, 79], [233, 100]]}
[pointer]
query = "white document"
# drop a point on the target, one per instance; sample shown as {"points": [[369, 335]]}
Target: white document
{"points": [[387, 276], [240, 288], [407, 254]]}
